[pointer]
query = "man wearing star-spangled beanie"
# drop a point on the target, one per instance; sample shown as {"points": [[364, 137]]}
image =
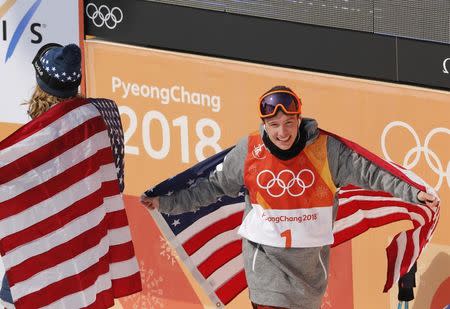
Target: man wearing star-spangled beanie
{"points": [[64, 235]]}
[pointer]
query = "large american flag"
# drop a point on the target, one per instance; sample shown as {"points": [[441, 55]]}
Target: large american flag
{"points": [[64, 235], [208, 244]]}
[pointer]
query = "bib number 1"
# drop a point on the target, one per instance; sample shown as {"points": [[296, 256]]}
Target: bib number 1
{"points": [[288, 238]]}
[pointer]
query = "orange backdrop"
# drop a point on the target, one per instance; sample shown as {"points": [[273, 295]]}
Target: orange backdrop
{"points": [[178, 109]]}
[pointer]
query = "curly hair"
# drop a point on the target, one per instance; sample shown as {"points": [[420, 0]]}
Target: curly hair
{"points": [[41, 102]]}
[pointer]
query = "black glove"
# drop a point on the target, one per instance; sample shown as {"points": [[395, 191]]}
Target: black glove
{"points": [[406, 284]]}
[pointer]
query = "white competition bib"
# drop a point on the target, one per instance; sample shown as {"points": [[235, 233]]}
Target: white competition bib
{"points": [[296, 228]]}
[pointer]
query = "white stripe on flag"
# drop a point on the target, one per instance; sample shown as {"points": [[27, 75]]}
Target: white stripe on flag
{"points": [[360, 215], [54, 167], [83, 298], [351, 190], [226, 272], [221, 213], [124, 269], [213, 245], [51, 132], [58, 202], [426, 210], [61, 271], [345, 200], [356, 198], [119, 235], [43, 244], [431, 230], [68, 232], [113, 203]]}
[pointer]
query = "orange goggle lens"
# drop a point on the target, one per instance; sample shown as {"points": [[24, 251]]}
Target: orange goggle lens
{"points": [[286, 100]]}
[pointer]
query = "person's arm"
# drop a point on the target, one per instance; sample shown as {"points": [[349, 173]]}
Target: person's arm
{"points": [[349, 167], [226, 179]]}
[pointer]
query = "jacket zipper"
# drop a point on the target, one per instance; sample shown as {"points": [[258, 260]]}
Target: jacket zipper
{"points": [[254, 257], [323, 265]]}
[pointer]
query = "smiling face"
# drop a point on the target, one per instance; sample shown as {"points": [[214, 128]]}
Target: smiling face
{"points": [[282, 129]]}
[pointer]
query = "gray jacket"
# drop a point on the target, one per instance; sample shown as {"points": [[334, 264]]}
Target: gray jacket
{"points": [[294, 277]]}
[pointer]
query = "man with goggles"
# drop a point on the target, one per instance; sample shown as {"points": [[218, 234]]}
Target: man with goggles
{"points": [[281, 99], [280, 110], [292, 172]]}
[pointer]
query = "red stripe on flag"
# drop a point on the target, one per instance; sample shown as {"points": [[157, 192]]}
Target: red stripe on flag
{"points": [[352, 207], [232, 287], [111, 188], [61, 253], [436, 217], [54, 222], [64, 287], [104, 299], [409, 251], [391, 252], [72, 248], [42, 121], [127, 285], [60, 219], [208, 233], [365, 224], [122, 252], [53, 149], [350, 187], [120, 287], [56, 184], [117, 219], [220, 258]]}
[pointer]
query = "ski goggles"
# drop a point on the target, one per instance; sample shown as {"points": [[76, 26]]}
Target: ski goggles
{"points": [[271, 102]]}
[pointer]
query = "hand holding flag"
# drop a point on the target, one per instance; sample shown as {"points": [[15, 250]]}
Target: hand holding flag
{"points": [[152, 203]]}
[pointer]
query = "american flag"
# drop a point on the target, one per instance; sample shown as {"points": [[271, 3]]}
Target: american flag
{"points": [[64, 235], [208, 244]]}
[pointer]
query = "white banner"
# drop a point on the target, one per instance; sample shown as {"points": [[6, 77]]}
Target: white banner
{"points": [[25, 26]]}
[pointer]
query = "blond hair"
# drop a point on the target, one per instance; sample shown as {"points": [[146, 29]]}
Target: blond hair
{"points": [[41, 102]]}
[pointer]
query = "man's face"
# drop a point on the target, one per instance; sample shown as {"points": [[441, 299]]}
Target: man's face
{"points": [[282, 129]]}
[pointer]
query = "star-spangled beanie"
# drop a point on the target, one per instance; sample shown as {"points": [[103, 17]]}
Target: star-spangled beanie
{"points": [[58, 69]]}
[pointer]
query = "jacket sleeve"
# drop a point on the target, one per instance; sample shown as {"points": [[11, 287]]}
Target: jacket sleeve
{"points": [[226, 179], [348, 167]]}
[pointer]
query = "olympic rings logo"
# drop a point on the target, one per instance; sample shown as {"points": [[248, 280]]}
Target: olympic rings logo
{"points": [[434, 162], [102, 15], [294, 181]]}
